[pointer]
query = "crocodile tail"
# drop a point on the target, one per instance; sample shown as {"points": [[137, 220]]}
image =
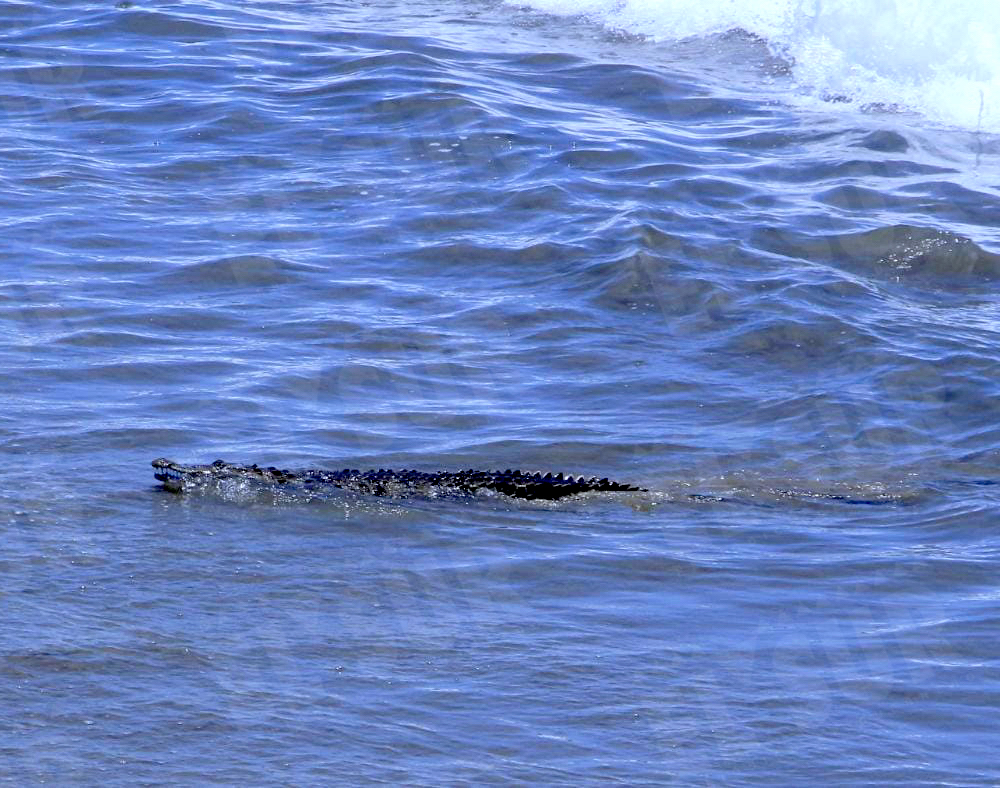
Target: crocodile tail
{"points": [[552, 488]]}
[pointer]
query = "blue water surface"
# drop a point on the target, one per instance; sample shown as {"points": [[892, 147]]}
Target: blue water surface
{"points": [[444, 235]]}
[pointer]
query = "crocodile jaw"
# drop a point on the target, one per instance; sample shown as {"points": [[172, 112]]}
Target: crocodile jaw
{"points": [[173, 475]]}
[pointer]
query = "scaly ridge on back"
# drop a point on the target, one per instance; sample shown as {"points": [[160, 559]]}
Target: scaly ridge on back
{"points": [[386, 481]]}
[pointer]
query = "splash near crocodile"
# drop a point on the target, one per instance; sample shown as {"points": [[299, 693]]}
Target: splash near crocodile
{"points": [[177, 477]]}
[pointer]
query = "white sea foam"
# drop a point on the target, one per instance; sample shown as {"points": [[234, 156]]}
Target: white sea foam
{"points": [[936, 57]]}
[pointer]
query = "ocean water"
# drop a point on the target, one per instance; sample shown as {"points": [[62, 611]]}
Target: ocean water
{"points": [[743, 254]]}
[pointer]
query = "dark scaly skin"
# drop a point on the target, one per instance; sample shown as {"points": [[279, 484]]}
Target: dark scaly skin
{"points": [[533, 486]]}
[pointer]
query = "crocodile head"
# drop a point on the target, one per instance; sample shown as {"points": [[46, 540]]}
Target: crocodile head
{"points": [[176, 476]]}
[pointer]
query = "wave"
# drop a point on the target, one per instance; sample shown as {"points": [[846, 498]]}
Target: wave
{"points": [[939, 59]]}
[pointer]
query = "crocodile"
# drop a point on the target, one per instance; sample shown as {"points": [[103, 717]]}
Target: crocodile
{"points": [[176, 477]]}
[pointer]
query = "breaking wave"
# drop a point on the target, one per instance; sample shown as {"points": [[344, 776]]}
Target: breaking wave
{"points": [[939, 59]]}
